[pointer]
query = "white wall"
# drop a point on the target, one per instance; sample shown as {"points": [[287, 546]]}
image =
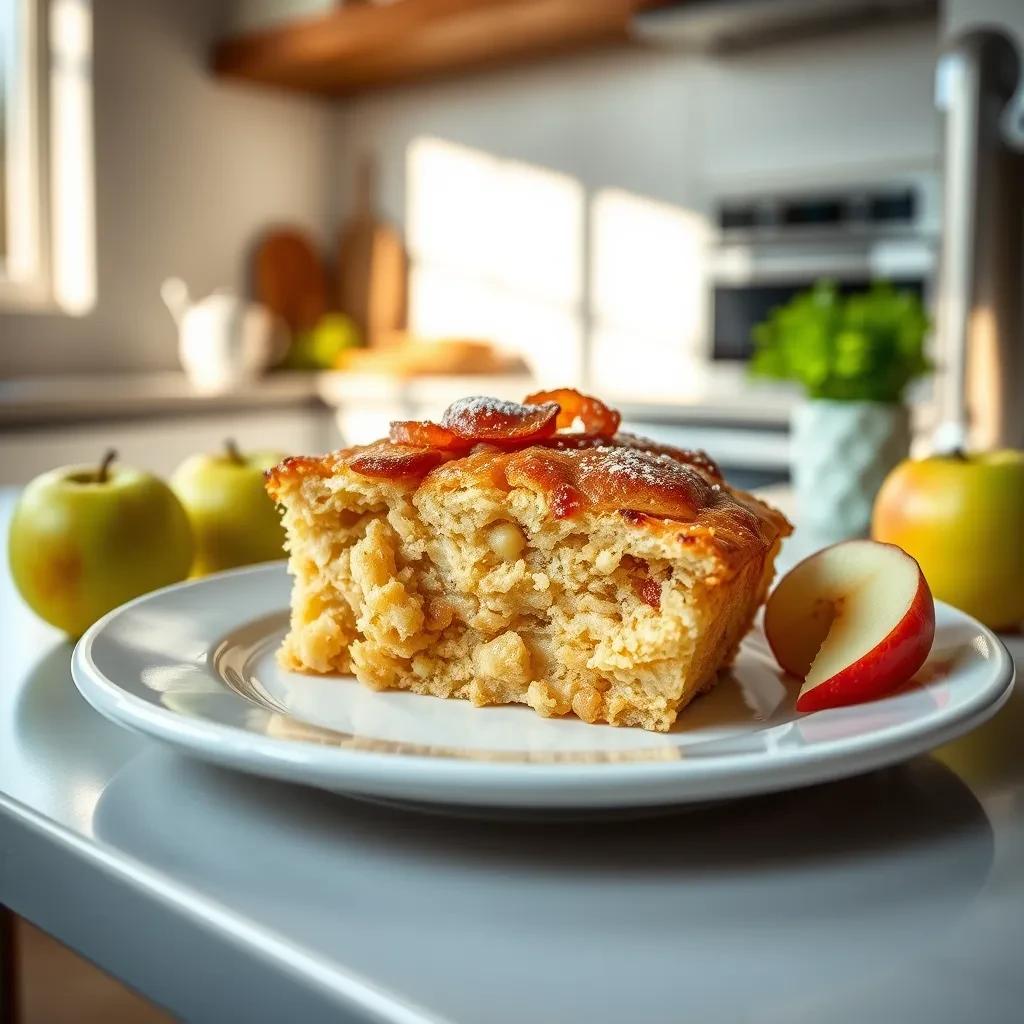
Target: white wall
{"points": [[672, 126], [188, 170], [256, 15], [637, 125]]}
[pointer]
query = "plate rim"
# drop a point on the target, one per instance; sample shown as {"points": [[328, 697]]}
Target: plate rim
{"points": [[442, 779]]}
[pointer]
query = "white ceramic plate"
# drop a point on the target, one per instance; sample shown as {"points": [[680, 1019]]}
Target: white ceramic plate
{"points": [[193, 665]]}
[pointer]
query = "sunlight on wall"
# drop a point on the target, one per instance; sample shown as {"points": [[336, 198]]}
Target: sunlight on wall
{"points": [[71, 154], [647, 294], [497, 252]]}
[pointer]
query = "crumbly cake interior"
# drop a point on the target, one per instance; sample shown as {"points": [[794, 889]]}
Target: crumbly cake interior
{"points": [[462, 584]]}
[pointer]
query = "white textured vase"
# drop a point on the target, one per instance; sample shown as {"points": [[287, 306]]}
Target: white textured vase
{"points": [[841, 452]]}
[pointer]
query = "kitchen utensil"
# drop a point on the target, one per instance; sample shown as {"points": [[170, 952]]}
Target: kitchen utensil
{"points": [[372, 266], [289, 277]]}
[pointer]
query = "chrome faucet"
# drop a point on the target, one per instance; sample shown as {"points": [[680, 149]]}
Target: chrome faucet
{"points": [[980, 313]]}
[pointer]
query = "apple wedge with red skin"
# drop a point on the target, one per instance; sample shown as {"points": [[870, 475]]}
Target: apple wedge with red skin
{"points": [[854, 621]]}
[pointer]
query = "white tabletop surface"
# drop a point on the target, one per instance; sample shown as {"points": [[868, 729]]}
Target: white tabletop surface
{"points": [[897, 896]]}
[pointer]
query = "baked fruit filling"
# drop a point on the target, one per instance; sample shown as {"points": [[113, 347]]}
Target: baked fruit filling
{"points": [[524, 553]]}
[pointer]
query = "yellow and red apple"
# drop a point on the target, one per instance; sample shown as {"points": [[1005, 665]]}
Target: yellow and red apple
{"points": [[234, 521], [854, 621], [962, 518], [84, 539]]}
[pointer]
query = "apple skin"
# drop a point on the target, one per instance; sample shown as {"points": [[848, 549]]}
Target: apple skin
{"points": [[234, 521], [80, 546], [885, 667], [962, 518], [796, 627]]}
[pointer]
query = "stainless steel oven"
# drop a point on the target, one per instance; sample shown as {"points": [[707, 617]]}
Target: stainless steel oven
{"points": [[772, 245]]}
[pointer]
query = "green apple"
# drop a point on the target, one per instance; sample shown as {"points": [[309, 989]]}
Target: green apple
{"points": [[962, 517], [234, 521], [319, 348], [84, 539]]}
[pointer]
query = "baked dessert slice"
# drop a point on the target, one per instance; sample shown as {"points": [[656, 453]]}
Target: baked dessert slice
{"points": [[524, 554]]}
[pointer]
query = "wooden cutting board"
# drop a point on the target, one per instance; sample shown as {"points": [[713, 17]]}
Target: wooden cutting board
{"points": [[373, 266], [289, 277]]}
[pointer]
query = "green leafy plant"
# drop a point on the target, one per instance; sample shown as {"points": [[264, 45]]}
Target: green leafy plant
{"points": [[865, 347]]}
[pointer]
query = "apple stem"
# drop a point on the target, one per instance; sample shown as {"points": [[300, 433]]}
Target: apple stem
{"points": [[232, 449], [103, 473]]}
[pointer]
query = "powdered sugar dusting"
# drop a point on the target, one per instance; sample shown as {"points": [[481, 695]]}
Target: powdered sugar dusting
{"points": [[481, 418], [690, 456], [469, 413], [638, 468]]}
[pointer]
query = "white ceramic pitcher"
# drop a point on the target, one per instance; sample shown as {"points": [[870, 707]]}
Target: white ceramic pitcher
{"points": [[224, 342]]}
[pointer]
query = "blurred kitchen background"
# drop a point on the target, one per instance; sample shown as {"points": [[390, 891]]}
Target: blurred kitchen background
{"points": [[486, 196]]}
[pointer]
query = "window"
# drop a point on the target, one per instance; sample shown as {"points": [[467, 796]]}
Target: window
{"points": [[22, 270], [47, 247]]}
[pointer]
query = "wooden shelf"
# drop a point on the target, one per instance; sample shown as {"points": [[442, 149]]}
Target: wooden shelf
{"points": [[362, 46]]}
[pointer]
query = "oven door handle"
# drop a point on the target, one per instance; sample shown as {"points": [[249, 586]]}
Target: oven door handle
{"points": [[744, 265]]}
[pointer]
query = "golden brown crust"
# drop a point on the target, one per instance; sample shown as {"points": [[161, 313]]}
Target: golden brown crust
{"points": [[607, 577], [661, 487]]}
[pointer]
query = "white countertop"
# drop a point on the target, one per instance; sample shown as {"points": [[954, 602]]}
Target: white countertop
{"points": [[63, 398], [715, 398], [896, 896]]}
